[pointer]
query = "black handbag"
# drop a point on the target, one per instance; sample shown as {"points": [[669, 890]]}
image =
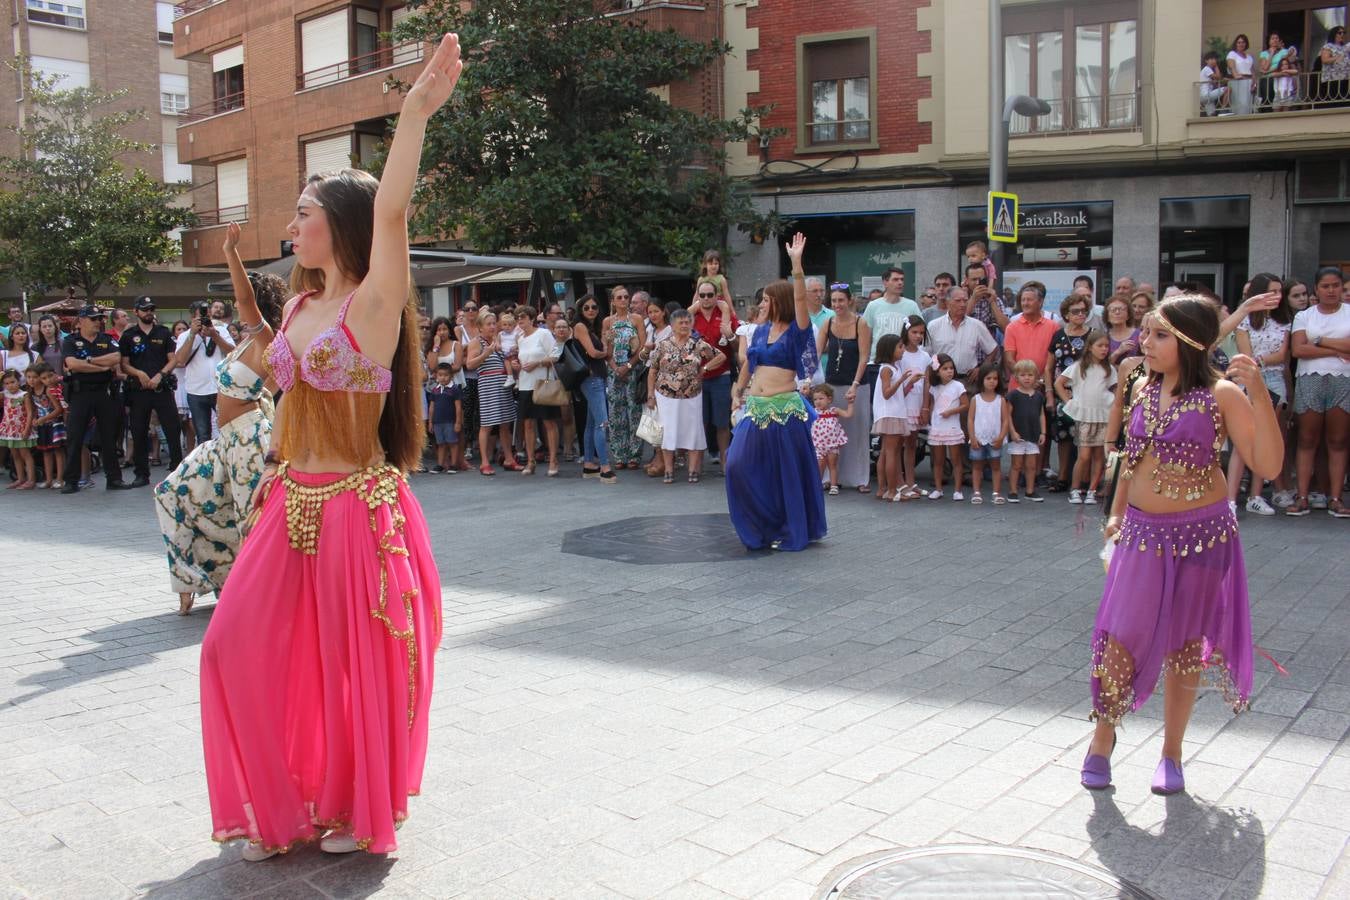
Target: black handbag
{"points": [[572, 367], [639, 376]]}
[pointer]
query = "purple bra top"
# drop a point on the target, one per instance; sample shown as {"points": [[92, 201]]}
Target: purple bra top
{"points": [[332, 362], [1185, 434]]}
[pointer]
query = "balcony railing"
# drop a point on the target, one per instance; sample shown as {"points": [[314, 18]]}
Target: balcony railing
{"points": [[207, 218], [227, 103], [383, 58], [1109, 112], [1297, 92], [190, 6]]}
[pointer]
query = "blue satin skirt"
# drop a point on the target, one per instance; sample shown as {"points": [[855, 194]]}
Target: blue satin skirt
{"points": [[773, 478]]}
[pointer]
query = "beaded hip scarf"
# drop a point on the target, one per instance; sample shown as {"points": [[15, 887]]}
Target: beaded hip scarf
{"points": [[779, 408]]}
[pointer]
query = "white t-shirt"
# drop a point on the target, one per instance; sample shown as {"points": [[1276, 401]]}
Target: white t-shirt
{"points": [[1316, 324], [945, 397], [199, 375], [888, 318], [533, 348], [1093, 393], [1241, 65], [915, 361]]}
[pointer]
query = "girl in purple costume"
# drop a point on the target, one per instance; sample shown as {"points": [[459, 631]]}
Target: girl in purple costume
{"points": [[1175, 601]]}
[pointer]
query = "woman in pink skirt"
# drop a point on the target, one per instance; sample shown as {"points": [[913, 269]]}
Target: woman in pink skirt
{"points": [[1175, 601], [316, 670]]}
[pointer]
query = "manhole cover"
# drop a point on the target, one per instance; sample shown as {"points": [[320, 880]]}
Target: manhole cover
{"points": [[659, 540], [975, 871]]}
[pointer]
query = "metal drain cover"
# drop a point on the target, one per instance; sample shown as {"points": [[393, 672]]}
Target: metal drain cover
{"points": [[941, 873], [659, 540]]}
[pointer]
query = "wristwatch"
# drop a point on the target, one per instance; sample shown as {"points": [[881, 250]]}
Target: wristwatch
{"points": [[1317, 340]]}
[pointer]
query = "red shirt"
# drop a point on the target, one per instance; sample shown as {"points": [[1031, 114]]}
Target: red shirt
{"points": [[1026, 340], [710, 328]]}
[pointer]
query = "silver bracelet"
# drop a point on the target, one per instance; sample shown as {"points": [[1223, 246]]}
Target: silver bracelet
{"points": [[253, 329]]}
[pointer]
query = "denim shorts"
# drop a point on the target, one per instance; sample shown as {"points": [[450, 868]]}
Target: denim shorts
{"points": [[717, 401], [445, 433], [985, 453]]}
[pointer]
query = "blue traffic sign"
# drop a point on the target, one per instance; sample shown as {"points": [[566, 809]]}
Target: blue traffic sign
{"points": [[1002, 217]]}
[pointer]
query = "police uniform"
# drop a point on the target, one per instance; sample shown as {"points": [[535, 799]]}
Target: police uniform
{"points": [[150, 352], [89, 395]]}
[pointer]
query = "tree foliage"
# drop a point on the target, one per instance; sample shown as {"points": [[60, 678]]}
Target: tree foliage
{"points": [[555, 141], [71, 212]]}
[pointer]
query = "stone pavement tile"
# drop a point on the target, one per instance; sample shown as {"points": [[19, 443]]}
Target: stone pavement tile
{"points": [[645, 835], [1322, 806], [826, 830], [1004, 821], [1190, 884], [1312, 848], [1278, 777], [729, 795], [299, 890], [461, 874], [1072, 847], [1272, 881], [1253, 806], [361, 874], [993, 734], [744, 828], [920, 823], [651, 874], [1335, 772], [760, 867], [1322, 723], [892, 792], [813, 794], [975, 788]]}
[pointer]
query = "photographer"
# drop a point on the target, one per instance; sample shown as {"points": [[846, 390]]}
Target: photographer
{"points": [[148, 360], [200, 350], [984, 305], [90, 357]]}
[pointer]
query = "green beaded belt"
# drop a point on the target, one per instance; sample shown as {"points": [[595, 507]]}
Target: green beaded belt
{"points": [[779, 408]]}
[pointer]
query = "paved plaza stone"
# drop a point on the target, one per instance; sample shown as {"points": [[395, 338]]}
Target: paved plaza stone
{"points": [[735, 725]]}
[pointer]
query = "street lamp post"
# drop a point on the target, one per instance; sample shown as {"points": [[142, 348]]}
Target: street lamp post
{"points": [[1000, 117]]}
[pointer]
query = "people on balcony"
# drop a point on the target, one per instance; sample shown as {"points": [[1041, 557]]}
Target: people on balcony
{"points": [[1240, 66], [1213, 91], [1335, 84]]}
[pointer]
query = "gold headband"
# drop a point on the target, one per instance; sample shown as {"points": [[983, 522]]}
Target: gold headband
{"points": [[1177, 332]]}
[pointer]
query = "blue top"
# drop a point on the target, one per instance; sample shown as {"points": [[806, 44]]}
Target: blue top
{"points": [[788, 352]]}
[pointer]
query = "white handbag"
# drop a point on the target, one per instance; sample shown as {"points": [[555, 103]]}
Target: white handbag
{"points": [[650, 428]]}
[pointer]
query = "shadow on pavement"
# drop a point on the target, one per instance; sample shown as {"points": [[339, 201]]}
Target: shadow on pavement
{"points": [[301, 874], [1202, 843]]}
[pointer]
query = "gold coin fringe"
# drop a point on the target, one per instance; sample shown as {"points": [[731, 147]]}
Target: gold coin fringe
{"points": [[377, 486]]}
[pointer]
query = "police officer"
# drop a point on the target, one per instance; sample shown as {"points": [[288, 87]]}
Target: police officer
{"points": [[147, 358], [91, 356]]}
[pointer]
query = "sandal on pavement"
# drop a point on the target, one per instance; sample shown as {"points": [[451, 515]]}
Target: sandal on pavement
{"points": [[1299, 507], [486, 469], [693, 477], [668, 478], [834, 490], [976, 498], [1058, 487], [999, 499], [1335, 508]]}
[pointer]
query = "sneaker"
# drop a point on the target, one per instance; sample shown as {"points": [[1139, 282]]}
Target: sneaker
{"points": [[1035, 498], [958, 496], [339, 842], [1259, 506], [1014, 497], [1090, 499], [86, 482], [609, 478], [935, 494], [1317, 500], [257, 853], [1076, 496], [436, 470], [1283, 499]]}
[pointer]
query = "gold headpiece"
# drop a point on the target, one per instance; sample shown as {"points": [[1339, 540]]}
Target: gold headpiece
{"points": [[1177, 332]]}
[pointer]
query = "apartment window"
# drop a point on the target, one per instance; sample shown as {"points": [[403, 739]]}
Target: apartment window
{"points": [[227, 78], [232, 190], [70, 73], [164, 16], [837, 89], [173, 94], [1082, 58], [366, 40], [328, 154], [53, 12], [174, 171], [408, 52], [324, 49]]}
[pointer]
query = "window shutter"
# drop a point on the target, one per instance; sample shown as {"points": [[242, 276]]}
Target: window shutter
{"points": [[323, 45], [171, 88], [75, 73], [232, 189], [164, 20], [837, 60], [174, 171], [227, 59], [328, 154], [412, 53]]}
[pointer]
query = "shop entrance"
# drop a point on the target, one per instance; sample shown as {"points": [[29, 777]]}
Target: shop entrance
{"points": [[1208, 274], [1205, 239]]}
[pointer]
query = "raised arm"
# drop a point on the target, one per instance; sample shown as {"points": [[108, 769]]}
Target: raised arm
{"points": [[385, 287], [795, 248], [245, 300]]}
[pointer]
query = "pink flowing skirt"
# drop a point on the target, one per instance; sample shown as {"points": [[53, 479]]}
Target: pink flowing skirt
{"points": [[314, 698]]}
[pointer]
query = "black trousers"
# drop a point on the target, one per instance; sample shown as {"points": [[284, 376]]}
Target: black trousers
{"points": [[87, 404], [162, 403]]}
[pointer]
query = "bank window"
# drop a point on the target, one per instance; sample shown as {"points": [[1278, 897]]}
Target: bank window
{"points": [[839, 90], [53, 12], [1080, 58]]}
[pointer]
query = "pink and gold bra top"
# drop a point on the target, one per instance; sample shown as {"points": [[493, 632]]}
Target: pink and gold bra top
{"points": [[332, 362], [1184, 439]]}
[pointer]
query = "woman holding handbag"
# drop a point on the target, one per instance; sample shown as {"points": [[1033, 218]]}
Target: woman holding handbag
{"points": [[538, 387], [675, 390]]}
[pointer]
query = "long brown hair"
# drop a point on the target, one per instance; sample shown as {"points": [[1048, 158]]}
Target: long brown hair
{"points": [[1198, 318], [348, 198], [782, 301]]}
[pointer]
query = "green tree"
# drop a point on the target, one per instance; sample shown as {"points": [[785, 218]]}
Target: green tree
{"points": [[71, 212], [555, 141]]}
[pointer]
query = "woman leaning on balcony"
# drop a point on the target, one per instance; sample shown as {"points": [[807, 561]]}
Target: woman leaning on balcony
{"points": [[1240, 65], [1335, 66]]}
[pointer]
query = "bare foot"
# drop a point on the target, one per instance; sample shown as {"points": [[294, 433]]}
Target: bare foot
{"points": [[185, 602]]}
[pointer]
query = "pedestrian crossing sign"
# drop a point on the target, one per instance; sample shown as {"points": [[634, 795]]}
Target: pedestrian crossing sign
{"points": [[1002, 217]]}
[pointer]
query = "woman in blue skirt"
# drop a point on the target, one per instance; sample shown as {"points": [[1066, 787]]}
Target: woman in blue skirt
{"points": [[773, 480]]}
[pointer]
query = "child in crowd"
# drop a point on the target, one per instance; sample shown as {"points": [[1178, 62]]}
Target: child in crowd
{"points": [[977, 254], [445, 412], [50, 421], [1027, 424], [1213, 92], [948, 405], [712, 270], [890, 418], [827, 433], [988, 425], [914, 363], [16, 430], [506, 338], [1086, 388]]}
